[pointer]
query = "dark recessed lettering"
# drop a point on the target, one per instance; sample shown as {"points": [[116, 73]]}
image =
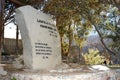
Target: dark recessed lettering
{"points": [[44, 22]]}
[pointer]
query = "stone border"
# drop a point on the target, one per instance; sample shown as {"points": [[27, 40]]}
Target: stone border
{"points": [[101, 75]]}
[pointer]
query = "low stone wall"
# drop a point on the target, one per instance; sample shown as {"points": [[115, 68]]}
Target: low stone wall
{"points": [[62, 75], [5, 77]]}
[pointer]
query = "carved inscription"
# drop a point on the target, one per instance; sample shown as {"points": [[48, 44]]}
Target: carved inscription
{"points": [[49, 26], [43, 49]]}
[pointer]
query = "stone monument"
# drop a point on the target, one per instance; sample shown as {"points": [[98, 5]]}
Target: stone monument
{"points": [[40, 37]]}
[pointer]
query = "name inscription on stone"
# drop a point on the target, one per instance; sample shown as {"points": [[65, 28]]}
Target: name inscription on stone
{"points": [[43, 49], [51, 27]]}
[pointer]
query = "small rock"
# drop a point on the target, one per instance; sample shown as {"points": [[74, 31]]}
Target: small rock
{"points": [[100, 67], [18, 63], [2, 72]]}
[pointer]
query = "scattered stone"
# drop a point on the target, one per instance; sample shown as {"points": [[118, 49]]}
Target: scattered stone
{"points": [[5, 77], [100, 67], [18, 63], [62, 66], [2, 71]]}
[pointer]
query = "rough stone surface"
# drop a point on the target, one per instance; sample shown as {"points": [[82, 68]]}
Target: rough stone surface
{"points": [[40, 37], [6, 77], [69, 75], [63, 74], [18, 62], [2, 71]]}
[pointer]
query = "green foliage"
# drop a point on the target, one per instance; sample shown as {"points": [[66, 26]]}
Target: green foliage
{"points": [[114, 66], [13, 78], [93, 57], [109, 27], [69, 14]]}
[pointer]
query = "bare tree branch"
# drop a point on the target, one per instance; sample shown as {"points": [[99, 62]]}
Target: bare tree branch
{"points": [[18, 2]]}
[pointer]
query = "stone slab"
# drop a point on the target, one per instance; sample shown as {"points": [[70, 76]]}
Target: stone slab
{"points": [[40, 37], [99, 75]]}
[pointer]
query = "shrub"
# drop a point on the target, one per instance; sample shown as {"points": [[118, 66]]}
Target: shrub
{"points": [[93, 57], [13, 78]]}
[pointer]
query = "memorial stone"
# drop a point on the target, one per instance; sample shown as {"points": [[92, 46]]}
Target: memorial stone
{"points": [[40, 37]]}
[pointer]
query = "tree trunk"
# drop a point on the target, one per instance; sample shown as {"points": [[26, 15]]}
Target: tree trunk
{"points": [[17, 2], [70, 41], [17, 38], [101, 39], [61, 45], [1, 26], [3, 21]]}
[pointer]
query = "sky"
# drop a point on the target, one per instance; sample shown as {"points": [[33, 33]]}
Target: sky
{"points": [[10, 31]]}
